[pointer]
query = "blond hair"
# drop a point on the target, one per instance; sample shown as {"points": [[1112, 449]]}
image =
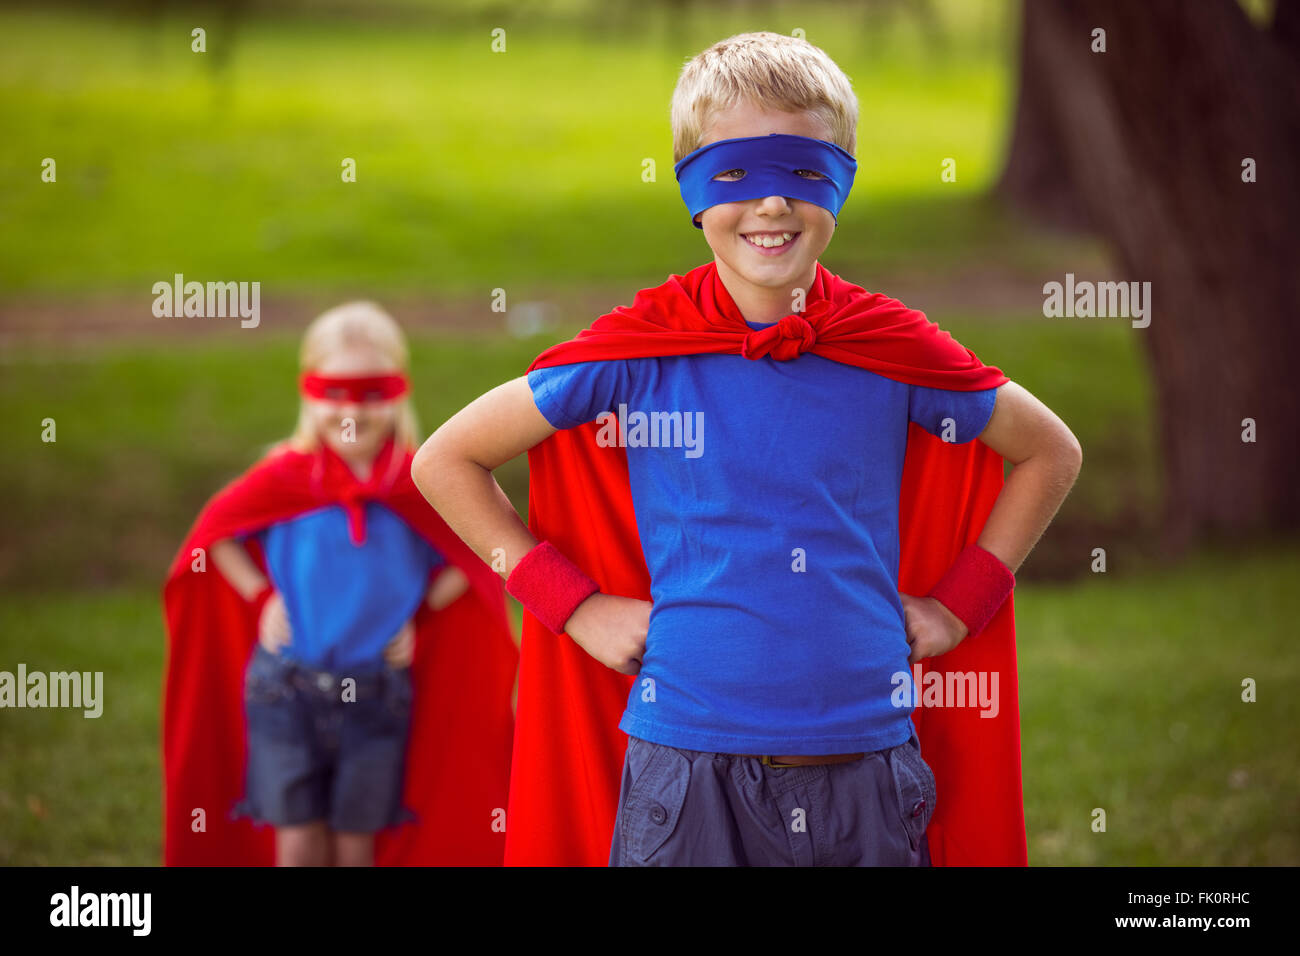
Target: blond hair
{"points": [[350, 324], [769, 70]]}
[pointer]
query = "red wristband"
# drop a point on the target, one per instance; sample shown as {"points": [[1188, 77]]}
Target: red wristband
{"points": [[259, 600], [974, 587], [550, 586]]}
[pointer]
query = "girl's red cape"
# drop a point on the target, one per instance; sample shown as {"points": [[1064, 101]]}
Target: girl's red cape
{"points": [[568, 749], [458, 763]]}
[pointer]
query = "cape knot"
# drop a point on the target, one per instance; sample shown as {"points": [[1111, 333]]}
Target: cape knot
{"points": [[787, 339]]}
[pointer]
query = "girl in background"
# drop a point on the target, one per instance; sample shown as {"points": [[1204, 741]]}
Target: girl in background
{"points": [[379, 657]]}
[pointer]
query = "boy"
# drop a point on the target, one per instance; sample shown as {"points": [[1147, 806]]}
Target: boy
{"points": [[788, 452]]}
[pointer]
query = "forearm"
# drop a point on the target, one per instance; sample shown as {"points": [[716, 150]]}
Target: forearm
{"points": [[472, 503], [1030, 498], [453, 470], [233, 563]]}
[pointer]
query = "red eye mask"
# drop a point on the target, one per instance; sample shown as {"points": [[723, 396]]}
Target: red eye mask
{"points": [[370, 388]]}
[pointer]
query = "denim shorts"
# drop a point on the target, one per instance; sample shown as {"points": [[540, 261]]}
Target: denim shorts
{"points": [[314, 756], [681, 807]]}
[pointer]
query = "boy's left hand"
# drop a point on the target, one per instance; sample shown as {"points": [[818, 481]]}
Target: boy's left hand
{"points": [[932, 629], [401, 649]]}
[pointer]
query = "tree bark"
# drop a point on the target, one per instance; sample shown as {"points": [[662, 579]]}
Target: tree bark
{"points": [[1147, 140], [1031, 179]]}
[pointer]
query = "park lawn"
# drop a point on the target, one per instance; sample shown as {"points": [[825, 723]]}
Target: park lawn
{"points": [[147, 430], [1132, 689], [1130, 696], [475, 170], [1129, 688]]}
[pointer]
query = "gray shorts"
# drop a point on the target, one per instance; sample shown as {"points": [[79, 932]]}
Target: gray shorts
{"points": [[681, 807]]}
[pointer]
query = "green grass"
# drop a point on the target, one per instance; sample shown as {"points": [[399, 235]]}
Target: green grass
{"points": [[1094, 377], [147, 431], [1130, 681], [77, 790], [1130, 696], [475, 170]]}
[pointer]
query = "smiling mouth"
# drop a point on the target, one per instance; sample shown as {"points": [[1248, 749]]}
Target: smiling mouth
{"points": [[770, 241]]}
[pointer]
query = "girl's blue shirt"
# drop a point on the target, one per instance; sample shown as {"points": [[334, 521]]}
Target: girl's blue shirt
{"points": [[346, 602]]}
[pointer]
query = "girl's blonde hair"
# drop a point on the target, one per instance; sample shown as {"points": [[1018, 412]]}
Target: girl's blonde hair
{"points": [[770, 70], [350, 324]]}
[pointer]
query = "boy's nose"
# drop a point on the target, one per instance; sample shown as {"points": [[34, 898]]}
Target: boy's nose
{"points": [[778, 202]]}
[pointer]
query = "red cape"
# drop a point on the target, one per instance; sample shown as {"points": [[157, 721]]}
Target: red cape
{"points": [[463, 671], [568, 749]]}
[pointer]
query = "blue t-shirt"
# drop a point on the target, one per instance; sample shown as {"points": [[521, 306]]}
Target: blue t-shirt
{"points": [[768, 514], [345, 601]]}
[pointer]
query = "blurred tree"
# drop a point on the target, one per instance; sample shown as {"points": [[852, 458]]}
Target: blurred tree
{"points": [[1146, 144], [220, 18]]}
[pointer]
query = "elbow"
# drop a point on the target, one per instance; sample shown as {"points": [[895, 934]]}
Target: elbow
{"points": [[1070, 453], [424, 468], [1060, 451]]}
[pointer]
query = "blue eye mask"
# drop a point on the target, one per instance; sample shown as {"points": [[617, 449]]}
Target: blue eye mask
{"points": [[770, 163]]}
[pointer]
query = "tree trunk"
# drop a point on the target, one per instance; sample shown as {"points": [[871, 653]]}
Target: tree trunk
{"points": [[1032, 178], [1147, 142]]}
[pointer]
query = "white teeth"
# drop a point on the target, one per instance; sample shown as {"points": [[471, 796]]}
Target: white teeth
{"points": [[767, 242]]}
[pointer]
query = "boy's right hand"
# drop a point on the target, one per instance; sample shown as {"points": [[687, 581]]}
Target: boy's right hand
{"points": [[273, 628], [612, 629]]}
